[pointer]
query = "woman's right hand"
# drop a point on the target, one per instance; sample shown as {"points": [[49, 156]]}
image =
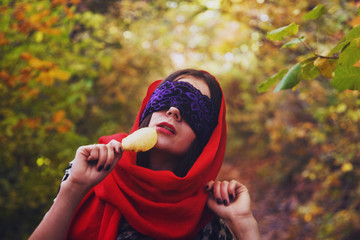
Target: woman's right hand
{"points": [[93, 163]]}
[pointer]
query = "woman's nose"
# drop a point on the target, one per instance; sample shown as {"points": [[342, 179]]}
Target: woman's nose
{"points": [[174, 112]]}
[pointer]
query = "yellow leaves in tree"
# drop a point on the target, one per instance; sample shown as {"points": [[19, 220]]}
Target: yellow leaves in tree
{"points": [[62, 124], [38, 17], [42, 71], [60, 74], [40, 64], [49, 71], [48, 77], [28, 20]]}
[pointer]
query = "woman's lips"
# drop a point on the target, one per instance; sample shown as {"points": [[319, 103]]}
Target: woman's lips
{"points": [[166, 128]]}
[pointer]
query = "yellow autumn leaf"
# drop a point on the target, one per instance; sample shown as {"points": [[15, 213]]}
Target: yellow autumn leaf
{"points": [[51, 31], [326, 66], [59, 74], [45, 78], [40, 64], [36, 18]]}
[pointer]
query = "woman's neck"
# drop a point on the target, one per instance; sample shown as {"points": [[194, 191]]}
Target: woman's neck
{"points": [[160, 160]]}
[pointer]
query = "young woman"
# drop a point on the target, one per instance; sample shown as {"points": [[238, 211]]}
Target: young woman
{"points": [[168, 192]]}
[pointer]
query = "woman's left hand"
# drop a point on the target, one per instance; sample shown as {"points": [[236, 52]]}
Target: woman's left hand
{"points": [[231, 202], [228, 199]]}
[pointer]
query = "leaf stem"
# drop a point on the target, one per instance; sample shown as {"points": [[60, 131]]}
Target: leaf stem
{"points": [[307, 46], [334, 56]]}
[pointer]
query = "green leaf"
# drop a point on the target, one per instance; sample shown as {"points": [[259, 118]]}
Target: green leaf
{"points": [[280, 33], [350, 36], [308, 70], [339, 47], [315, 13], [293, 42], [265, 86], [291, 79], [353, 34], [346, 75]]}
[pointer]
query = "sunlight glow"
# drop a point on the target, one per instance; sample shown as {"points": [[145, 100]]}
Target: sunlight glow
{"points": [[127, 34], [178, 59], [180, 19], [229, 57], [212, 4], [146, 44], [171, 4], [264, 17], [296, 11], [194, 29]]}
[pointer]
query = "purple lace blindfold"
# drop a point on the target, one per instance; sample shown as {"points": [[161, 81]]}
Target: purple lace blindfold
{"points": [[196, 108]]}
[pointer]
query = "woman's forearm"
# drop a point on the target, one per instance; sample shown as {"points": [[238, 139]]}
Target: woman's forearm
{"points": [[56, 222], [244, 228]]}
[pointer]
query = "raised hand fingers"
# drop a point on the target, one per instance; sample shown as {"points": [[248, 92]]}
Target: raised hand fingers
{"points": [[116, 145], [219, 191], [232, 190], [105, 156], [116, 153], [224, 192]]}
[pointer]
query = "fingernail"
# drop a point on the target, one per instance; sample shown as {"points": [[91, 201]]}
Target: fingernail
{"points": [[231, 197], [107, 167], [219, 201], [226, 202], [100, 168]]}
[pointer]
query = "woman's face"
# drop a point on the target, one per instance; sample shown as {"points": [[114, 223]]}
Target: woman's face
{"points": [[174, 133]]}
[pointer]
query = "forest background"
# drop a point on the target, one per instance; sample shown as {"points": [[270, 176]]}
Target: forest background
{"points": [[72, 71]]}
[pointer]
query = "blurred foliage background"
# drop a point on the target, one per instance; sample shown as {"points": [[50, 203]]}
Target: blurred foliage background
{"points": [[72, 71]]}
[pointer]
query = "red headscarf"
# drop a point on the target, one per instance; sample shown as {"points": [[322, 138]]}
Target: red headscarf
{"points": [[155, 203]]}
